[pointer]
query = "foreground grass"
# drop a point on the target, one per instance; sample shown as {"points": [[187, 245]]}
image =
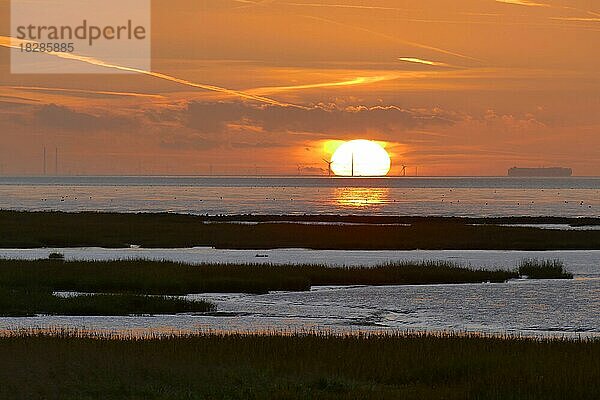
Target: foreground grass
{"points": [[29, 302], [56, 229], [298, 367], [169, 278]]}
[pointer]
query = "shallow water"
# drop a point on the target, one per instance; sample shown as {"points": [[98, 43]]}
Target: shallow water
{"points": [[532, 308], [568, 197], [528, 307]]}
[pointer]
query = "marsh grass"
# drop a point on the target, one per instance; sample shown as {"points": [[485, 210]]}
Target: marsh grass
{"points": [[29, 302], [543, 269], [27, 287], [57, 229], [171, 278], [297, 366]]}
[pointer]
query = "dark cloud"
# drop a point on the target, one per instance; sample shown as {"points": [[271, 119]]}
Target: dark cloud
{"points": [[312, 170], [240, 139], [179, 141], [61, 117], [217, 118], [243, 125]]}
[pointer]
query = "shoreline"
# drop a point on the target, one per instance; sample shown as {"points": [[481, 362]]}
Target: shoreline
{"points": [[372, 219]]}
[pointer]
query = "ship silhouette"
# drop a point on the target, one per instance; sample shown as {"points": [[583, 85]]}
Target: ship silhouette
{"points": [[540, 172]]}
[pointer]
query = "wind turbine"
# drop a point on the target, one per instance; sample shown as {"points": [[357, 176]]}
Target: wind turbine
{"points": [[328, 166], [403, 171]]}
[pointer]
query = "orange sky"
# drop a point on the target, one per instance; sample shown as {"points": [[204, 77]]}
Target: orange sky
{"points": [[463, 87]]}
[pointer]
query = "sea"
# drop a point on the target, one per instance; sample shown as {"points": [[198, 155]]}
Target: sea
{"points": [[476, 197], [563, 308]]}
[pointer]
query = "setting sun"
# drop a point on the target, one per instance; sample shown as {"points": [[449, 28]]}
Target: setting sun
{"points": [[360, 158]]}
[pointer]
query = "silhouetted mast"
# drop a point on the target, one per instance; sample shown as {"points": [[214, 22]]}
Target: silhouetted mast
{"points": [[44, 160], [352, 163]]}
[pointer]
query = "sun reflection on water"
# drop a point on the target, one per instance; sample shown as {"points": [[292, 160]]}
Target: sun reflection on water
{"points": [[361, 197]]}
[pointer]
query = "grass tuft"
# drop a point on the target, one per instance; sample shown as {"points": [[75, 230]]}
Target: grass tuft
{"points": [[30, 302], [543, 269]]}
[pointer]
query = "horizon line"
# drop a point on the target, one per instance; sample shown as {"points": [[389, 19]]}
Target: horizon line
{"points": [[285, 176]]}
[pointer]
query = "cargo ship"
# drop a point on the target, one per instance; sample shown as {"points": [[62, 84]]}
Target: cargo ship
{"points": [[553, 172]]}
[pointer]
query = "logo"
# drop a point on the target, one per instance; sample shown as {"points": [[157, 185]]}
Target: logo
{"points": [[80, 36]]}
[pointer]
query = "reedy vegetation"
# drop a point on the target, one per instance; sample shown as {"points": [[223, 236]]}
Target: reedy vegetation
{"points": [[57, 229], [172, 278], [122, 287], [297, 366]]}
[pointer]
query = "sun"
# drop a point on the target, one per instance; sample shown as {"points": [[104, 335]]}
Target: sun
{"points": [[360, 158]]}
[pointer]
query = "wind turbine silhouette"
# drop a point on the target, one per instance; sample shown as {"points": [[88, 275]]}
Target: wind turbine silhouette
{"points": [[403, 171], [328, 166]]}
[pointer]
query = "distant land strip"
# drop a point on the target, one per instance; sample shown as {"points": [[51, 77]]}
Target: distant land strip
{"points": [[120, 230]]}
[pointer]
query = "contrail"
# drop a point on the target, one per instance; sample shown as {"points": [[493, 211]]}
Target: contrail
{"points": [[248, 4], [351, 82], [394, 38], [527, 3], [6, 41], [524, 3], [576, 19], [83, 91], [547, 5], [389, 37], [415, 60], [343, 6]]}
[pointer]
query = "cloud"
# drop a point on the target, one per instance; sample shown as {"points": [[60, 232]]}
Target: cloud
{"points": [[218, 117], [61, 117], [10, 42], [206, 125], [311, 170]]}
